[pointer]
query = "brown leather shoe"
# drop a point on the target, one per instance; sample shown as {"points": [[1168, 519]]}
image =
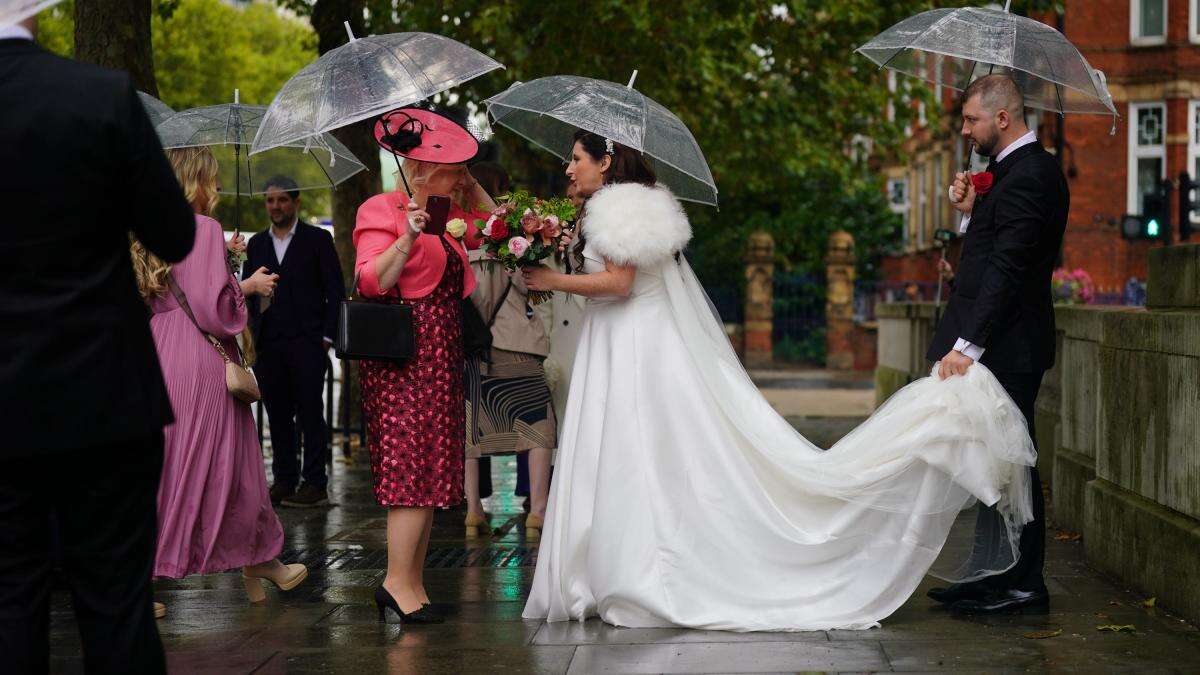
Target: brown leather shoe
{"points": [[308, 496], [281, 491]]}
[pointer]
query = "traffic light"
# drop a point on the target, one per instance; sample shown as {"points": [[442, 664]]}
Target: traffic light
{"points": [[1154, 222], [1187, 205]]}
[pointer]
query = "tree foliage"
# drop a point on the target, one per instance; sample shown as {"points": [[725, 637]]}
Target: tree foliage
{"points": [[203, 50], [771, 90]]}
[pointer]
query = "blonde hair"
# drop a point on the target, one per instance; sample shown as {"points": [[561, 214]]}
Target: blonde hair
{"points": [[196, 170], [418, 173]]}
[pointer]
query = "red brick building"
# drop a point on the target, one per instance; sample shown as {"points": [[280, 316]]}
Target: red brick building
{"points": [[1149, 51]]}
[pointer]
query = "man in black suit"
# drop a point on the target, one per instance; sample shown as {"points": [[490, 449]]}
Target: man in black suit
{"points": [[1000, 312], [82, 399], [294, 329]]}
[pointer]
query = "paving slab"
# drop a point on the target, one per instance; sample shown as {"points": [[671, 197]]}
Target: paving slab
{"points": [[330, 624]]}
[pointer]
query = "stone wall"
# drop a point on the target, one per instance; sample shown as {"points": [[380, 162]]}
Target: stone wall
{"points": [[1118, 425]]}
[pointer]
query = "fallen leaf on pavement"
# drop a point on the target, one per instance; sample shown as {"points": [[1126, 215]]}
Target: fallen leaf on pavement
{"points": [[1102, 615], [1042, 634], [1068, 536], [1114, 628], [1150, 603]]}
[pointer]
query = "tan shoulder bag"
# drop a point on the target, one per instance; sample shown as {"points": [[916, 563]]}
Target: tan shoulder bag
{"points": [[239, 379]]}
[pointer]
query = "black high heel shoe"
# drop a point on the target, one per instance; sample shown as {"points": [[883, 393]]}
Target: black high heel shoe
{"points": [[384, 601]]}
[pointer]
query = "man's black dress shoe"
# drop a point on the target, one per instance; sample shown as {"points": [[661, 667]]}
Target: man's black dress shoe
{"points": [[956, 592], [1032, 602]]}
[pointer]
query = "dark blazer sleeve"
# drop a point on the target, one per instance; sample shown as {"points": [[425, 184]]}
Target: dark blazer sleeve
{"points": [[333, 285], [161, 217], [1023, 212], [254, 260]]}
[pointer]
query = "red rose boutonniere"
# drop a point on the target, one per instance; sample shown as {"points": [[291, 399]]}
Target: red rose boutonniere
{"points": [[982, 182]]}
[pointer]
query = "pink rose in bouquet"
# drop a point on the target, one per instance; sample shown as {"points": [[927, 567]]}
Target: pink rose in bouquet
{"points": [[518, 246], [524, 230], [530, 222], [551, 229]]}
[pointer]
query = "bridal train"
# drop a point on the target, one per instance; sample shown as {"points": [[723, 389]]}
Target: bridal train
{"points": [[681, 498]]}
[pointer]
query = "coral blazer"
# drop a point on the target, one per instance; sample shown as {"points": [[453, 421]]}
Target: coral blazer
{"points": [[381, 220]]}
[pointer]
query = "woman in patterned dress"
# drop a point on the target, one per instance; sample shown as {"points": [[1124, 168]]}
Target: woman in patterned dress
{"points": [[415, 411]]}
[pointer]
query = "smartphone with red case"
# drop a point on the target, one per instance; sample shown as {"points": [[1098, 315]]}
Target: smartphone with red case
{"points": [[438, 208]]}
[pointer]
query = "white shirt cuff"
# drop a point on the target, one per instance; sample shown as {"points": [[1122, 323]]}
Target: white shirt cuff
{"points": [[963, 223], [975, 352]]}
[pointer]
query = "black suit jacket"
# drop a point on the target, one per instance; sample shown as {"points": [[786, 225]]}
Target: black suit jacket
{"points": [[80, 168], [1001, 299], [310, 287]]}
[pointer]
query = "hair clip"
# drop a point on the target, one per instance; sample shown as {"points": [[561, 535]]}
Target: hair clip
{"points": [[608, 146]]}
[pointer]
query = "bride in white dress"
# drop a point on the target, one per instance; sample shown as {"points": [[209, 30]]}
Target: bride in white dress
{"points": [[681, 498]]}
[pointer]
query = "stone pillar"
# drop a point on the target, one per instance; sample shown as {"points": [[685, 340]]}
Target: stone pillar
{"points": [[839, 302], [760, 295]]}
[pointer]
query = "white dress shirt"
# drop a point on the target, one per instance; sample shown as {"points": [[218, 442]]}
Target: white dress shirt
{"points": [[281, 245], [974, 351], [15, 32]]}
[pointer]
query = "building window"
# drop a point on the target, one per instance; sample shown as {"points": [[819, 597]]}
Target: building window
{"points": [[1147, 151], [922, 203], [1193, 162], [939, 185], [1194, 21], [897, 189], [1148, 22]]}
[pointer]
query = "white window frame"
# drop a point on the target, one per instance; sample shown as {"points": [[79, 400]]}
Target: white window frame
{"points": [[902, 208], [1136, 152], [922, 203], [1194, 21], [1193, 154], [1135, 25]]}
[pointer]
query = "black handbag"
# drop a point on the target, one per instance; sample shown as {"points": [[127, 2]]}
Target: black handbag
{"points": [[374, 330], [477, 335]]}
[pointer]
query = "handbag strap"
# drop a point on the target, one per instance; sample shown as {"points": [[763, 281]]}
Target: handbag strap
{"points": [[187, 309], [500, 304]]}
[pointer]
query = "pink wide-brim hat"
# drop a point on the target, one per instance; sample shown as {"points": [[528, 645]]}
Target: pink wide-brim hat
{"points": [[425, 135]]}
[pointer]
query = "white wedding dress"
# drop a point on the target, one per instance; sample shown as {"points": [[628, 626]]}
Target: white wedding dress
{"points": [[681, 498]]}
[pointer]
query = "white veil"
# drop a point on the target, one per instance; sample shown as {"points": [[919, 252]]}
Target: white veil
{"points": [[919, 465]]}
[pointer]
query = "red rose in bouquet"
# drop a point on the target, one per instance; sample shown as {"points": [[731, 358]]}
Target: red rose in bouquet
{"points": [[524, 231]]}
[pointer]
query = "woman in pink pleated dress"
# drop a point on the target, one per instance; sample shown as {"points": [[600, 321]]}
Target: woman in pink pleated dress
{"points": [[214, 511]]}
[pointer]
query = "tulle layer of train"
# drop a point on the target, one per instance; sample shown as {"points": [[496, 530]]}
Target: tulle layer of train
{"points": [[681, 498]]}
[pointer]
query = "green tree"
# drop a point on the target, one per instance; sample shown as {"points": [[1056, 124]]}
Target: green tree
{"points": [[772, 91], [203, 50]]}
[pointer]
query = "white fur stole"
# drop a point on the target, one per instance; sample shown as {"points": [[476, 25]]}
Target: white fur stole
{"points": [[631, 224]]}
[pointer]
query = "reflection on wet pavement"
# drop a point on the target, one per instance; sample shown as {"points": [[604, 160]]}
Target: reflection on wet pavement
{"points": [[329, 624]]}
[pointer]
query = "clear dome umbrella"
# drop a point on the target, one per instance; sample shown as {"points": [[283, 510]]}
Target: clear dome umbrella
{"points": [[12, 11], [155, 109], [953, 47], [547, 112], [227, 130], [365, 78]]}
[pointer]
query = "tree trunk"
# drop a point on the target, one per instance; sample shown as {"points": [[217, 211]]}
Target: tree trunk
{"points": [[116, 34], [327, 18]]}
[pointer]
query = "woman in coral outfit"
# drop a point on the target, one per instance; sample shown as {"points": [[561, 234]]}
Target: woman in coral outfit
{"points": [[214, 512], [415, 411]]}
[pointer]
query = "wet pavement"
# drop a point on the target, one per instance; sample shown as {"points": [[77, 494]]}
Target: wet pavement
{"points": [[329, 623]]}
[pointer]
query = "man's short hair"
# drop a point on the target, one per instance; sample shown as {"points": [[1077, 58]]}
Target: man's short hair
{"points": [[285, 184], [997, 92]]}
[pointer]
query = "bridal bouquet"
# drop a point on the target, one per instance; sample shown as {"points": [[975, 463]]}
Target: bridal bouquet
{"points": [[524, 230]]}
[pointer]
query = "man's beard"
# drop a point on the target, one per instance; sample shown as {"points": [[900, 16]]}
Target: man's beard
{"points": [[284, 220], [987, 147]]}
